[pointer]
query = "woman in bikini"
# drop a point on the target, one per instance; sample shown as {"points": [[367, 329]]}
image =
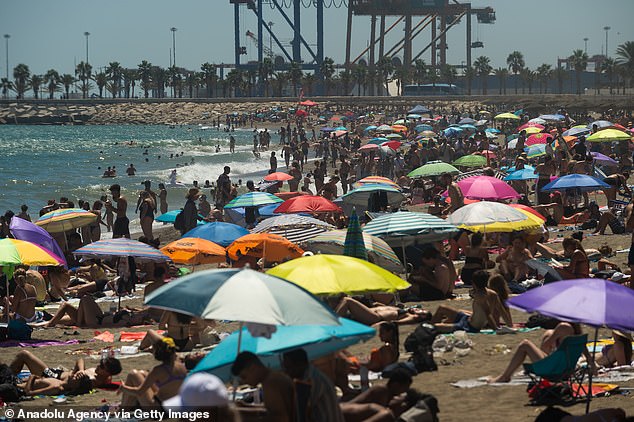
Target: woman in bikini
{"points": [[579, 266], [352, 308], [476, 258], [146, 214], [513, 260], [96, 273], [617, 354], [75, 384], [150, 390], [58, 279], [181, 328], [22, 304], [89, 315]]}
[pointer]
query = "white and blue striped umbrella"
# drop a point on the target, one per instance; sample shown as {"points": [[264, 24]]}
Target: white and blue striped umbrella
{"points": [[121, 247], [416, 226], [254, 199], [296, 228], [242, 295]]}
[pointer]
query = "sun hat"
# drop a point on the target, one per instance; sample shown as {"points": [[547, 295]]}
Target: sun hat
{"points": [[199, 390]]}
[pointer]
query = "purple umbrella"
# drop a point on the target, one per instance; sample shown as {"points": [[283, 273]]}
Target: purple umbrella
{"points": [[25, 230], [592, 301], [603, 159]]}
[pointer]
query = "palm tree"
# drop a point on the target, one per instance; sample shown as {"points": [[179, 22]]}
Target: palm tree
{"points": [[469, 74], [209, 76], [278, 81], [345, 76], [360, 73], [234, 81], [385, 70], [420, 71], [159, 81], [448, 73], [401, 76], [560, 74], [101, 79], [295, 75], [579, 62], [51, 79], [114, 72], [129, 81], [145, 76], [36, 81], [192, 81], [265, 72], [528, 77], [625, 60], [21, 75], [173, 73], [609, 68], [515, 62], [544, 72], [83, 72], [327, 70], [67, 80], [483, 68], [501, 73], [6, 86], [308, 81]]}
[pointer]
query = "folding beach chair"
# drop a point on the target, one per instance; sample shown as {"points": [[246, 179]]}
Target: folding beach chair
{"points": [[559, 368]]}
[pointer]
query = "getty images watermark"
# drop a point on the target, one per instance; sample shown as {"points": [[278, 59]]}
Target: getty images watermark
{"points": [[79, 415]]}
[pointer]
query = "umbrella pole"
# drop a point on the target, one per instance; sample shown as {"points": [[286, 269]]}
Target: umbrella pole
{"points": [[594, 351], [235, 384], [404, 259]]}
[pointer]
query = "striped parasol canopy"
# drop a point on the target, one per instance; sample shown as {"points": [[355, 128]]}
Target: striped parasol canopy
{"points": [[65, 219], [480, 172], [379, 252], [121, 247], [254, 199], [354, 244], [416, 226], [376, 179], [296, 228]]}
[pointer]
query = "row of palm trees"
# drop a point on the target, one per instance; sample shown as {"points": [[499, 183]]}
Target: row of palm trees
{"points": [[266, 80]]}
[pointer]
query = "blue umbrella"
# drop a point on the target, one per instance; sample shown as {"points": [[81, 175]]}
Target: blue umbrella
{"points": [[493, 130], [218, 232], [419, 109], [452, 131], [361, 195], [327, 129], [420, 128], [522, 174], [577, 131], [601, 124], [468, 127], [341, 128], [512, 169], [576, 181], [466, 121], [317, 340], [369, 128], [552, 117]]}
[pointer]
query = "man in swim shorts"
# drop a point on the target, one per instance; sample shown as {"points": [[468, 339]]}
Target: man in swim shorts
{"points": [[121, 227]]}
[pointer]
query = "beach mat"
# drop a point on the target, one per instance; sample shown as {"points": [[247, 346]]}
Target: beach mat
{"points": [[135, 335], [608, 377], [105, 336], [37, 343]]}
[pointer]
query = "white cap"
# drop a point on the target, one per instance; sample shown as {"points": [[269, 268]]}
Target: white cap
{"points": [[618, 276], [199, 390]]}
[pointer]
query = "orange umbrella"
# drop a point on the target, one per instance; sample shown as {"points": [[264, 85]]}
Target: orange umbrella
{"points": [[528, 209], [278, 176], [194, 251], [570, 140], [271, 247], [399, 128]]}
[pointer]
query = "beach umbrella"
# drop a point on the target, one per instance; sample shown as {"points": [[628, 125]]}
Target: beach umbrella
{"points": [[466, 121], [526, 208], [218, 232], [369, 147], [338, 133], [194, 251], [535, 150], [307, 203], [433, 168], [121, 247], [316, 340], [419, 109], [64, 219], [21, 252], [269, 246], [278, 176], [522, 174], [376, 180], [451, 132], [512, 144], [254, 199], [486, 153], [537, 120], [170, 217], [308, 103], [493, 130], [484, 213], [506, 116], [532, 130], [399, 122], [490, 135], [414, 116], [403, 227], [399, 128], [392, 144], [487, 188], [328, 129], [468, 127], [301, 113], [529, 125], [362, 194], [378, 140], [531, 222], [601, 159], [369, 128], [601, 124], [552, 117], [594, 301], [294, 227], [379, 252], [512, 169], [538, 138], [609, 135], [25, 230], [427, 134], [577, 131], [421, 128], [582, 182], [354, 245], [335, 274], [471, 161], [384, 128], [242, 295], [394, 136]]}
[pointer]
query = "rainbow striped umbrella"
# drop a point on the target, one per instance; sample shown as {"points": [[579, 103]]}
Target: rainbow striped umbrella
{"points": [[65, 219], [16, 252], [376, 179], [121, 247]]}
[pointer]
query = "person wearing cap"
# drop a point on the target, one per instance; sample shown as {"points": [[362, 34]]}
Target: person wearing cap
{"points": [[277, 388], [121, 227], [203, 392], [190, 210]]}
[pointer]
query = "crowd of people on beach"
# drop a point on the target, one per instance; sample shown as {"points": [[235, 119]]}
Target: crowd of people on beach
{"points": [[496, 264]]}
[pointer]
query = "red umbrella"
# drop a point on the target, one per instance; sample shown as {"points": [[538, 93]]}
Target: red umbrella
{"points": [[288, 195], [278, 176], [538, 138], [529, 124], [301, 113], [529, 209], [307, 203], [308, 103], [392, 144], [369, 147]]}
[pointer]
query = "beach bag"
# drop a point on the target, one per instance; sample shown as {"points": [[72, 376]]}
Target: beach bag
{"points": [[19, 330], [425, 410], [538, 320], [179, 222], [419, 343]]}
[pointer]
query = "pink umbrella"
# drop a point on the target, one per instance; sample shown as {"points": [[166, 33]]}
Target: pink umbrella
{"points": [[307, 203], [538, 138], [369, 147], [486, 188], [392, 144], [338, 133], [529, 124]]}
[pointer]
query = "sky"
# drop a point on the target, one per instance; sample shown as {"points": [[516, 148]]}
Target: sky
{"points": [[48, 34]]}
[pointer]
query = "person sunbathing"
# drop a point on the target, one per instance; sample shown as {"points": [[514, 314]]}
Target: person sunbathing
{"points": [[22, 304], [76, 384], [513, 260], [554, 414], [579, 266], [498, 284], [486, 305], [183, 329], [150, 390], [617, 354], [96, 274], [353, 309], [89, 315], [476, 258], [557, 216], [58, 279], [435, 278]]}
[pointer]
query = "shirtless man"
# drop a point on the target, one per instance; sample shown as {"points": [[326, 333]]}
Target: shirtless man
{"points": [[38, 386], [277, 388], [486, 304], [513, 260], [131, 171], [435, 278], [616, 182], [121, 227], [455, 194], [353, 309]]}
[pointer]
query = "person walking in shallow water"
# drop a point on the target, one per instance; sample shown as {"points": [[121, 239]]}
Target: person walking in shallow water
{"points": [[121, 226], [162, 196]]}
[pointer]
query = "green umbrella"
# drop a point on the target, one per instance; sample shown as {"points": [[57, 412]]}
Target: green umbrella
{"points": [[433, 168], [471, 161], [254, 199], [354, 245]]}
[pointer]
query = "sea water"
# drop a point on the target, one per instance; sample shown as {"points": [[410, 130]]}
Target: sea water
{"points": [[38, 163]]}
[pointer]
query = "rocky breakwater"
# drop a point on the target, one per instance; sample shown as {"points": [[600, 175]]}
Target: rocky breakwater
{"points": [[45, 114]]}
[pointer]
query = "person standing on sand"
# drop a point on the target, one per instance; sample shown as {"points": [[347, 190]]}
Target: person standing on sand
{"points": [[108, 215], [162, 196], [121, 226]]}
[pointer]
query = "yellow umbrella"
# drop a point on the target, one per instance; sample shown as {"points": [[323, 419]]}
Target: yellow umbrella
{"points": [[335, 274], [503, 116], [65, 219], [532, 222], [608, 135], [194, 251], [531, 130], [16, 252]]}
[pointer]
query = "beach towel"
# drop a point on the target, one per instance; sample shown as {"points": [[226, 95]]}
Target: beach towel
{"points": [[36, 343], [105, 336], [607, 377], [135, 336], [113, 386]]}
